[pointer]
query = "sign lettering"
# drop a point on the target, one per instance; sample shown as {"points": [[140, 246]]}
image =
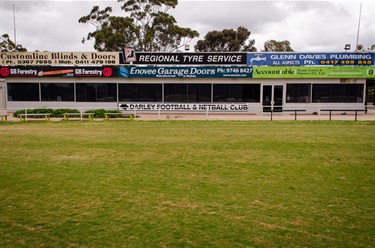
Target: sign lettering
{"points": [[185, 72], [189, 107]]}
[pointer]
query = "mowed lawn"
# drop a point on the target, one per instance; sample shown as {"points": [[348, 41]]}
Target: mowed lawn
{"points": [[187, 184]]}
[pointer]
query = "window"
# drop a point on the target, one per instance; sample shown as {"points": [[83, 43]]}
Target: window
{"points": [[23, 91], [140, 92], [96, 92], [57, 92], [237, 93], [338, 93], [187, 93], [298, 93]]}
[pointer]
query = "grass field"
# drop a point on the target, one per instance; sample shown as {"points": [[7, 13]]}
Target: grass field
{"points": [[187, 184]]}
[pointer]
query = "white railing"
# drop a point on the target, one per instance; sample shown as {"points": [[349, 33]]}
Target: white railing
{"points": [[253, 113]]}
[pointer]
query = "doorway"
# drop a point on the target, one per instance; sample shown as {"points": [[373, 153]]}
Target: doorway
{"points": [[273, 98]]}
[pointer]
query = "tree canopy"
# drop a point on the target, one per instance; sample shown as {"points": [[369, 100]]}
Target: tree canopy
{"points": [[277, 46], [148, 27], [227, 40]]}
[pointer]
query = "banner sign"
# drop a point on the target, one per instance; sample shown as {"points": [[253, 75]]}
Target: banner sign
{"points": [[310, 59], [189, 107], [146, 58], [61, 71], [59, 58], [185, 72], [314, 72]]}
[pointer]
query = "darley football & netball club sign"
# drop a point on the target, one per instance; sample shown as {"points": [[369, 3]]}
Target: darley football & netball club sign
{"points": [[195, 107]]}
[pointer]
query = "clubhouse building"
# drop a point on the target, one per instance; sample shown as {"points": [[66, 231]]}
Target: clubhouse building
{"points": [[186, 82]]}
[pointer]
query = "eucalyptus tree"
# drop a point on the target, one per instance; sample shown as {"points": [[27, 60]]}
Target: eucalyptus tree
{"points": [[277, 46], [227, 40], [146, 26]]}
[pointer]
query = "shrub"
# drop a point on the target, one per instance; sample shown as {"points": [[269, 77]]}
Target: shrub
{"points": [[33, 111], [120, 115], [98, 113], [60, 112]]}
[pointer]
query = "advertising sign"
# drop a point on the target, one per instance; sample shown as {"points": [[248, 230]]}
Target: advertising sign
{"points": [[146, 58], [189, 107], [314, 72], [310, 59], [59, 58], [185, 72], [129, 54], [54, 71]]}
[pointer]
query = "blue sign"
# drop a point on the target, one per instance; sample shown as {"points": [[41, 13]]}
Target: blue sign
{"points": [[185, 72], [310, 59]]}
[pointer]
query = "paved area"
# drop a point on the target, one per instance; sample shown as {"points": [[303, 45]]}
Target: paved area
{"points": [[369, 116]]}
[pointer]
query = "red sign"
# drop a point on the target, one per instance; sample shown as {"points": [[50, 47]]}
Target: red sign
{"points": [[4, 72]]}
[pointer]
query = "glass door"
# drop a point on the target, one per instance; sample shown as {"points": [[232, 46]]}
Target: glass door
{"points": [[272, 98]]}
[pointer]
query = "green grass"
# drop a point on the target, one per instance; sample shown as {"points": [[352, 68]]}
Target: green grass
{"points": [[187, 184]]}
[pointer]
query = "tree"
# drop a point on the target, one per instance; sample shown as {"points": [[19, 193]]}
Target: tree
{"points": [[112, 32], [227, 40], [147, 28], [6, 44], [277, 46]]}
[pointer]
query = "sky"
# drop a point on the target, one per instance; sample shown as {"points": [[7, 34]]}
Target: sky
{"points": [[310, 26]]}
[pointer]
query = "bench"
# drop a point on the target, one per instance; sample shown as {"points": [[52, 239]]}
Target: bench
{"points": [[107, 115], [90, 116], [288, 110], [4, 117], [23, 117], [295, 112], [343, 110]]}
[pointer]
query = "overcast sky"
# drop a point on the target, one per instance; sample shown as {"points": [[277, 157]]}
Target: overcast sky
{"points": [[310, 26]]}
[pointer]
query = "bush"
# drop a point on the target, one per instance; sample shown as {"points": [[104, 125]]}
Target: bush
{"points": [[100, 113], [60, 112], [34, 111], [120, 115]]}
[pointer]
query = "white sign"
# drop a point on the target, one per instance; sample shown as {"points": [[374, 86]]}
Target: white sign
{"points": [[188, 107], [59, 58]]}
